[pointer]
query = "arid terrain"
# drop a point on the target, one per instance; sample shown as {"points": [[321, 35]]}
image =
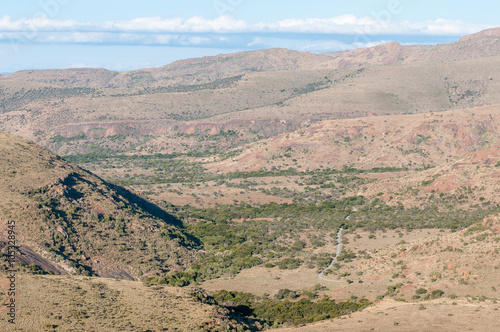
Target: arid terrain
{"points": [[436, 315], [49, 303], [207, 194]]}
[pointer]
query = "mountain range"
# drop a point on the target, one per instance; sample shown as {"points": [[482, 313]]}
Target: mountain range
{"points": [[253, 161]]}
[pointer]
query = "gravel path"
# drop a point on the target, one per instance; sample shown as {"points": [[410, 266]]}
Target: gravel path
{"points": [[339, 248]]}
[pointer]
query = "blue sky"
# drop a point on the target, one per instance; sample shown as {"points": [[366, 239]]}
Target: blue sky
{"points": [[126, 34]]}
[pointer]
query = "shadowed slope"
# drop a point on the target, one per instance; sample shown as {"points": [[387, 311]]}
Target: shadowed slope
{"points": [[80, 223]]}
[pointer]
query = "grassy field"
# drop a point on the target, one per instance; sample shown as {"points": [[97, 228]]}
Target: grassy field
{"points": [[391, 264], [52, 303], [437, 315]]}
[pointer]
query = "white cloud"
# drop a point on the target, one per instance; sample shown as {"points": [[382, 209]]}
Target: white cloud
{"points": [[220, 24], [196, 41], [78, 37], [256, 41], [445, 27], [193, 24], [197, 30], [40, 23], [350, 24], [347, 24], [144, 24]]}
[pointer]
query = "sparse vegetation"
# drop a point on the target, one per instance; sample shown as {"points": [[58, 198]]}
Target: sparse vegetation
{"points": [[221, 169]]}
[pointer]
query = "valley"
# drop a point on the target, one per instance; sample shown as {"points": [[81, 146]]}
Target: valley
{"points": [[212, 192]]}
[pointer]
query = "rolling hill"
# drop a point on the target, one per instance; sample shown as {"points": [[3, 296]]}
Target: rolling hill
{"points": [[70, 221], [237, 171], [393, 106], [258, 93], [211, 68]]}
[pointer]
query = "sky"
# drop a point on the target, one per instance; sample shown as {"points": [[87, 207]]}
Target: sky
{"points": [[126, 34]]}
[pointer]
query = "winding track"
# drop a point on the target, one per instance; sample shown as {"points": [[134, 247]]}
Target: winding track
{"points": [[339, 248]]}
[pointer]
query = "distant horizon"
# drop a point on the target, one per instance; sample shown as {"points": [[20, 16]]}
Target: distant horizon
{"points": [[127, 35], [440, 40]]}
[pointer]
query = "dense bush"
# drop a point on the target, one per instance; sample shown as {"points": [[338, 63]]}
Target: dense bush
{"points": [[284, 312]]}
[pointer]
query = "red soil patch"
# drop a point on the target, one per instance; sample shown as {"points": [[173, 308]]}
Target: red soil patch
{"points": [[374, 278], [338, 292], [408, 288], [443, 185], [486, 157]]}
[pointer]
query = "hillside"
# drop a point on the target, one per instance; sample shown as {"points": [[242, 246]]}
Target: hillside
{"points": [[437, 315], [258, 94], [55, 303], [293, 187], [411, 158], [71, 221], [256, 105], [366, 109], [212, 68], [412, 141]]}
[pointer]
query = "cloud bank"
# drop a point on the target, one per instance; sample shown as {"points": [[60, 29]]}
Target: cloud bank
{"points": [[314, 34]]}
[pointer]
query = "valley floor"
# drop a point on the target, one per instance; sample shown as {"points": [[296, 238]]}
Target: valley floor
{"points": [[437, 315]]}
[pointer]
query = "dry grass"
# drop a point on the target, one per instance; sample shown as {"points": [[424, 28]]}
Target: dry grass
{"points": [[461, 264], [438, 315], [49, 303], [87, 223]]}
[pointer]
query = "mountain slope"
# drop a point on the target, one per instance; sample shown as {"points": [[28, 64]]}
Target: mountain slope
{"points": [[495, 32], [211, 68], [481, 45], [263, 103], [369, 142], [74, 221], [78, 77]]}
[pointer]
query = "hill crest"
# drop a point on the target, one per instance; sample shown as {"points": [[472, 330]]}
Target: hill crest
{"points": [[71, 219], [494, 32], [211, 68]]}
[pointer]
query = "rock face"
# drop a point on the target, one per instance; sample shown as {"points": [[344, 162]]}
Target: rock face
{"points": [[71, 221]]}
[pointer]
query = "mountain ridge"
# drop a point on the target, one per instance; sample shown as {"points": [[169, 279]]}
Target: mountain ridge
{"points": [[210, 68], [493, 32]]}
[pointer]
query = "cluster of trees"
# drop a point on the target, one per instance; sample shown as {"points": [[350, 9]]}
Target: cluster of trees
{"points": [[285, 312], [61, 139], [363, 213], [173, 168], [231, 246]]}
